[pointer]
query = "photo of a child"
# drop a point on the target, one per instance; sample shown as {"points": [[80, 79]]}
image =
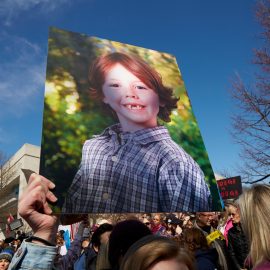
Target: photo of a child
{"points": [[133, 164]]}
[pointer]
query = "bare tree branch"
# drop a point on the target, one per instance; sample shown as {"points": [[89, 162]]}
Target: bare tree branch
{"points": [[251, 124]]}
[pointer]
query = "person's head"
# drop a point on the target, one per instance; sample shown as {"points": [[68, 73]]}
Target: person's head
{"points": [[8, 241], [16, 244], [194, 239], [4, 263], [147, 221], [61, 233], [255, 212], [132, 89], [156, 253], [101, 235], [215, 220], [124, 234], [5, 258], [85, 243], [204, 219], [173, 223], [233, 212], [59, 240], [188, 224], [157, 219]]}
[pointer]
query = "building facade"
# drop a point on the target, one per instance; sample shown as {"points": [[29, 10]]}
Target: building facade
{"points": [[14, 176]]}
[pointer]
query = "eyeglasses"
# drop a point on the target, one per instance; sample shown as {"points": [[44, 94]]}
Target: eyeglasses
{"points": [[207, 215]]}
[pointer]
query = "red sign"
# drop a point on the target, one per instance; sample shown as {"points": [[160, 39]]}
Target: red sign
{"points": [[230, 188]]}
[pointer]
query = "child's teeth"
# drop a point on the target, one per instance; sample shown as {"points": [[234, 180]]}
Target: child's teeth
{"points": [[134, 107]]}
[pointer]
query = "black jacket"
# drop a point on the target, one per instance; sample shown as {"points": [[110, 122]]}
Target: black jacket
{"points": [[237, 246]]}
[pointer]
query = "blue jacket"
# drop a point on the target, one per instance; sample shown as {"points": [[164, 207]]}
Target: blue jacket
{"points": [[206, 259]]}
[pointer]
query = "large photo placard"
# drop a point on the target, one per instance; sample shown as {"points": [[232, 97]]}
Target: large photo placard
{"points": [[119, 134]]}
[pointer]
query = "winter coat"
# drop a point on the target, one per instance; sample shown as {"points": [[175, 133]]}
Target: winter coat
{"points": [[237, 246], [206, 259], [220, 246]]}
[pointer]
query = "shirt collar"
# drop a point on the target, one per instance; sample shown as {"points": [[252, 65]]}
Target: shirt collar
{"points": [[142, 136]]}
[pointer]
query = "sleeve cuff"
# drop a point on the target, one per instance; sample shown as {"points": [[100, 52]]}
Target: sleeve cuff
{"points": [[33, 256]]}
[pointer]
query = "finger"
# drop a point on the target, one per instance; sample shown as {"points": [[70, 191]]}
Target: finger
{"points": [[39, 198], [39, 184], [46, 181], [35, 198], [47, 209], [37, 189], [32, 201], [36, 179], [51, 197]]}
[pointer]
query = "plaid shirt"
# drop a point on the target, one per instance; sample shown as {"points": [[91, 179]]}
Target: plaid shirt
{"points": [[144, 171]]}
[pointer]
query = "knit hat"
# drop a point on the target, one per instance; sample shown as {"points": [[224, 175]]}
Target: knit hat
{"points": [[7, 254], [8, 240]]}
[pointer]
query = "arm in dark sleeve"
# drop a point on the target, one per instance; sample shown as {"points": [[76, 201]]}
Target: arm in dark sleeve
{"points": [[231, 251]]}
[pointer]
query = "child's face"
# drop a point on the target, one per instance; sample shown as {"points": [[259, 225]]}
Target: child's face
{"points": [[135, 104], [4, 264]]}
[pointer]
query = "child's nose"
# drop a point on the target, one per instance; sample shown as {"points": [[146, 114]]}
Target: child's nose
{"points": [[131, 92]]}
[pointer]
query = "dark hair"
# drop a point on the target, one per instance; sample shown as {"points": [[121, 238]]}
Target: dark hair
{"points": [[105, 227], [141, 70], [195, 239], [124, 234]]}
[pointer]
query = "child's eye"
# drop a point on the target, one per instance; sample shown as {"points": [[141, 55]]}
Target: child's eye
{"points": [[140, 87], [114, 85]]}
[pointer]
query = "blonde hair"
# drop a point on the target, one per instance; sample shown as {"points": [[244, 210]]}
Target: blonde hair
{"points": [[255, 219], [102, 258], [152, 249]]}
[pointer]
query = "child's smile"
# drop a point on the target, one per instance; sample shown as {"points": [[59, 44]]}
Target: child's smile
{"points": [[135, 104]]}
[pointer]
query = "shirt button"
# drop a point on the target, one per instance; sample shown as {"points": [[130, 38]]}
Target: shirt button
{"points": [[114, 158], [105, 196]]}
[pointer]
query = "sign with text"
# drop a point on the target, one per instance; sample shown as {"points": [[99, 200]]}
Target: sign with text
{"points": [[230, 188]]}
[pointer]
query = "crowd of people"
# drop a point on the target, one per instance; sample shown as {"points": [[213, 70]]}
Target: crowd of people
{"points": [[235, 239]]}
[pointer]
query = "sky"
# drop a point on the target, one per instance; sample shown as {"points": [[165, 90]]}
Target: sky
{"points": [[211, 40]]}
